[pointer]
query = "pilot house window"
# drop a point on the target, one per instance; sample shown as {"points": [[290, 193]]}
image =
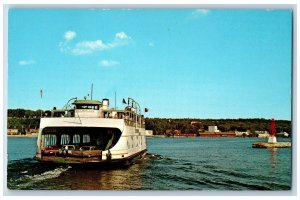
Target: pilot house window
{"points": [[94, 107]]}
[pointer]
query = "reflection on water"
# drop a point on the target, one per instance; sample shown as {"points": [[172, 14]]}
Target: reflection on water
{"points": [[105, 179], [273, 156]]}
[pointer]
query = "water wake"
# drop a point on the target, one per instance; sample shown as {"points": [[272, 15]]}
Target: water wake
{"points": [[23, 174], [25, 181], [153, 156]]}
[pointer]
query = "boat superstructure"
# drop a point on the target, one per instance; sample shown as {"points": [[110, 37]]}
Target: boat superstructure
{"points": [[90, 131]]}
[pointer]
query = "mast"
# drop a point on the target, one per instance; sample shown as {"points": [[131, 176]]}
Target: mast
{"points": [[92, 92], [41, 92], [115, 100]]}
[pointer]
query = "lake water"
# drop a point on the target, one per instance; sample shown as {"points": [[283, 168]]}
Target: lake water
{"points": [[171, 164]]}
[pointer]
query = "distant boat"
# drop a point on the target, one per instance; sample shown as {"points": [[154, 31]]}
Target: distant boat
{"points": [[92, 132]]}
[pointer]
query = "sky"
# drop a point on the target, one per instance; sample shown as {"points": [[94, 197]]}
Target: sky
{"points": [[179, 63]]}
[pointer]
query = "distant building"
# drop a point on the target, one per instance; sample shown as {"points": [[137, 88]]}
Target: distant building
{"points": [[263, 135], [30, 131], [149, 133], [217, 134], [242, 133], [173, 132], [213, 129], [195, 122], [261, 132], [189, 134], [177, 132], [12, 132]]}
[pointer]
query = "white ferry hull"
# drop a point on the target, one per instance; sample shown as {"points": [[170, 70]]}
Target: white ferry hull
{"points": [[130, 144]]}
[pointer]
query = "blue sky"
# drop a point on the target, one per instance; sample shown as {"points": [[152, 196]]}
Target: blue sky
{"points": [[180, 63]]}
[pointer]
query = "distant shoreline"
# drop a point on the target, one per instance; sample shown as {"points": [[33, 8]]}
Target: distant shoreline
{"points": [[22, 136], [163, 136], [35, 136]]}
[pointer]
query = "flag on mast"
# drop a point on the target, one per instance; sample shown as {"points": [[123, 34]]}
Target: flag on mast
{"points": [[41, 92]]}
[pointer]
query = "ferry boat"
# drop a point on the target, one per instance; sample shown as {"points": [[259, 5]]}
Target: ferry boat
{"points": [[89, 131]]}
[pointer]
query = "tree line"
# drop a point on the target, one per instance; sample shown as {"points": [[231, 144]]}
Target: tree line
{"points": [[22, 118], [23, 113], [160, 125]]}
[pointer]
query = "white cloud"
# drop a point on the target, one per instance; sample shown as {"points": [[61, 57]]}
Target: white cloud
{"points": [[69, 35], [198, 13], [88, 47], [26, 62], [121, 39], [202, 11], [107, 63], [122, 36]]}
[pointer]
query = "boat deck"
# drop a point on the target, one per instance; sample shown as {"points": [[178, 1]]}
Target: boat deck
{"points": [[74, 160], [89, 160]]}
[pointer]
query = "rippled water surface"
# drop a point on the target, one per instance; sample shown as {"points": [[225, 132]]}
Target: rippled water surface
{"points": [[171, 164]]}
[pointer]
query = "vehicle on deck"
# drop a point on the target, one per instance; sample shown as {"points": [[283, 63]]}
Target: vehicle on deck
{"points": [[67, 150], [87, 151], [50, 150]]}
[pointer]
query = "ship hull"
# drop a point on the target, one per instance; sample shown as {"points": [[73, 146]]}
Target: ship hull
{"points": [[92, 161], [120, 143]]}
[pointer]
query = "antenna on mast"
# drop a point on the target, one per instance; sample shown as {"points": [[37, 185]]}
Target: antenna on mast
{"points": [[115, 100], [92, 92]]}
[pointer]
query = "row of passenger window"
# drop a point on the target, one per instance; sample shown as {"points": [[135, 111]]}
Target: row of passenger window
{"points": [[51, 139]]}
